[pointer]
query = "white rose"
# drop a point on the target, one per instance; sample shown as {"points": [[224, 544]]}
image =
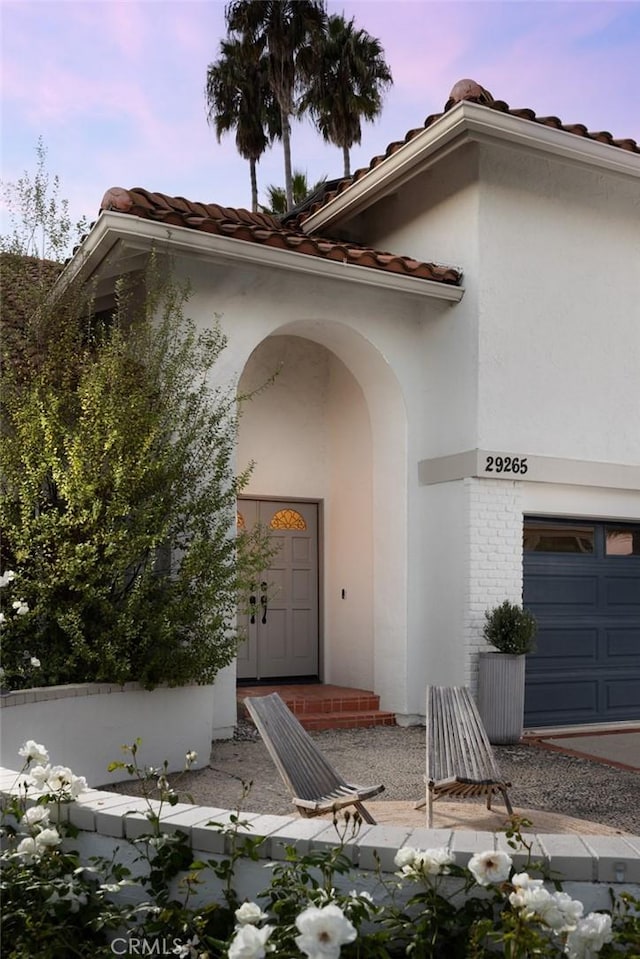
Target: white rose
{"points": [[37, 816], [27, 848], [432, 862], [568, 911], [589, 936], [405, 856], [59, 779], [47, 839], [7, 577], [323, 932], [535, 901], [78, 785], [490, 867], [33, 752], [522, 882], [39, 776], [249, 942], [249, 912]]}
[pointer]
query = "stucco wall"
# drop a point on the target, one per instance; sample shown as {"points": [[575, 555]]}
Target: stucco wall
{"points": [[434, 218], [349, 521], [554, 499], [308, 432], [559, 309], [283, 426], [377, 337], [540, 357], [84, 724]]}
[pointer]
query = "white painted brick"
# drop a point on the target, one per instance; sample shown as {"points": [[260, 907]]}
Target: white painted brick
{"points": [[298, 833], [494, 561], [568, 854], [138, 824], [329, 838], [616, 859], [111, 814], [381, 846], [207, 836], [465, 844]]}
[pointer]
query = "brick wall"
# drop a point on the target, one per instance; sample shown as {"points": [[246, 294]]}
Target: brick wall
{"points": [[494, 568]]}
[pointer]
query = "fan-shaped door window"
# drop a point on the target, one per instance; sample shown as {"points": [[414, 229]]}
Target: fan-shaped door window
{"points": [[287, 519]]}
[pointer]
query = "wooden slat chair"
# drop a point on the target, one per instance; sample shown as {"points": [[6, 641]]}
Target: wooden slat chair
{"points": [[314, 784], [460, 760]]}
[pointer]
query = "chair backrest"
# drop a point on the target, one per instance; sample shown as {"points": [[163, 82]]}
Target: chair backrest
{"points": [[457, 744], [300, 763]]}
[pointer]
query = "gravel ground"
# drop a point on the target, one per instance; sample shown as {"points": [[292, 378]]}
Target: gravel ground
{"points": [[394, 755]]}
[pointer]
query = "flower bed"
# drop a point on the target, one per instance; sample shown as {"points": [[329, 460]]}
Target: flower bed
{"points": [[170, 878]]}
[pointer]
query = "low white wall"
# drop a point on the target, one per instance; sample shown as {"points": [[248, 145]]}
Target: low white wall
{"points": [[588, 866], [83, 725]]}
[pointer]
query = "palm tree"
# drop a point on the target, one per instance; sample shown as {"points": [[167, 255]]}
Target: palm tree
{"points": [[286, 27], [346, 77], [239, 98], [301, 190]]}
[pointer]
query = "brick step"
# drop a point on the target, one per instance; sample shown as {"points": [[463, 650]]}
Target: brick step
{"points": [[325, 706], [352, 719], [332, 704]]}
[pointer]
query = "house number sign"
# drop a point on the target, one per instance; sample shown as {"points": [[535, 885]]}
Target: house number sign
{"points": [[499, 463]]}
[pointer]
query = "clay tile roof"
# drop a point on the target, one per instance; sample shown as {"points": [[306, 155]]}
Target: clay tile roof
{"points": [[286, 234], [471, 91], [267, 230]]}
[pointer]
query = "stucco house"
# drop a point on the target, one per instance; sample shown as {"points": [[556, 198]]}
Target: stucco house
{"points": [[454, 423]]}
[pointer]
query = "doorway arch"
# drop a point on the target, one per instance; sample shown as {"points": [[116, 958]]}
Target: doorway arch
{"points": [[331, 428]]}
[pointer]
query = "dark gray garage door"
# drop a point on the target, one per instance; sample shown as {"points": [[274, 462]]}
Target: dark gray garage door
{"points": [[582, 582]]}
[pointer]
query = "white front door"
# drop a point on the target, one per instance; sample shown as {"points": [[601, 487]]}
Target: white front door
{"points": [[279, 637]]}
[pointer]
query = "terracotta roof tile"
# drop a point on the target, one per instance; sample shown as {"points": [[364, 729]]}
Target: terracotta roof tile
{"points": [[267, 230], [286, 233], [471, 91]]}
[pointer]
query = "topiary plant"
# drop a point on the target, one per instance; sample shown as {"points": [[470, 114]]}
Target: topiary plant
{"points": [[510, 628]]}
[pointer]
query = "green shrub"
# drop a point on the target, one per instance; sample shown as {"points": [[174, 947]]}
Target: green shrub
{"points": [[510, 628], [119, 491]]}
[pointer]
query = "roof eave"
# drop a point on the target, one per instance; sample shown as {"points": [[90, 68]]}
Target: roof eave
{"points": [[463, 123], [134, 235]]}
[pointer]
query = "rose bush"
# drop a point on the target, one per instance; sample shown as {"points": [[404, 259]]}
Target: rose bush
{"points": [[56, 905]]}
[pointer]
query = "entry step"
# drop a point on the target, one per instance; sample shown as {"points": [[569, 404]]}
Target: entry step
{"points": [[319, 706]]}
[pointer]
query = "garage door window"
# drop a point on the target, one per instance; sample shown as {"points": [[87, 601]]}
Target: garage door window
{"points": [[622, 542], [551, 538]]}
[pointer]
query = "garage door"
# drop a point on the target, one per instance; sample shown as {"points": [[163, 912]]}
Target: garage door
{"points": [[582, 582]]}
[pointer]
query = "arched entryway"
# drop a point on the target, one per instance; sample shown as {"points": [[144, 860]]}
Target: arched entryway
{"points": [[327, 433]]}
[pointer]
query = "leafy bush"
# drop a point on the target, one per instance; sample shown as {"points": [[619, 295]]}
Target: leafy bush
{"points": [[510, 628], [118, 485], [119, 492]]}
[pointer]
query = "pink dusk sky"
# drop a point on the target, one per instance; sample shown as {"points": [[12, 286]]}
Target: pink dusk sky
{"points": [[115, 88]]}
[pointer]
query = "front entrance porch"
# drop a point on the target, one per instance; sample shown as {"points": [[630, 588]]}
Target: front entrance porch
{"points": [[318, 706]]}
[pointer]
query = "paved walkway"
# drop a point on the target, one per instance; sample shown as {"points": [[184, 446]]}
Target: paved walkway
{"points": [[617, 747]]}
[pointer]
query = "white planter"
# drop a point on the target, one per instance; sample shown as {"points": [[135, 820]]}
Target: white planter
{"points": [[83, 726], [501, 695]]}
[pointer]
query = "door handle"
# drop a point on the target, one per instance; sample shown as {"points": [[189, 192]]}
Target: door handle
{"points": [[252, 603], [263, 602]]}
